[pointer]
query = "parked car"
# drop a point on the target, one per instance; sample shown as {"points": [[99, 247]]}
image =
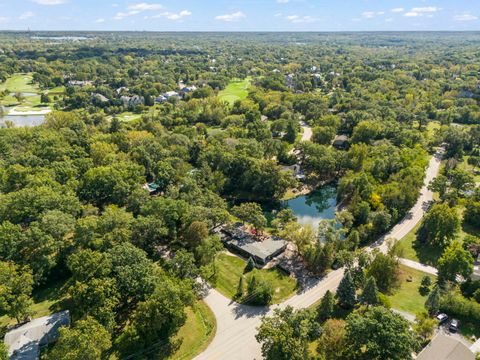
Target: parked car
{"points": [[442, 318], [454, 325]]}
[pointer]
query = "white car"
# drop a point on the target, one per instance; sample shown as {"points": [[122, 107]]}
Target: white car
{"points": [[442, 318]]}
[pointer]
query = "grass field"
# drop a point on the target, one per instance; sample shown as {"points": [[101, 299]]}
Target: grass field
{"points": [[235, 90], [407, 297], [230, 268], [427, 254], [19, 83], [464, 165], [197, 332]]}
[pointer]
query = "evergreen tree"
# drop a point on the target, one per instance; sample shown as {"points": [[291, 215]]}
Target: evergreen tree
{"points": [[346, 291], [240, 287], [325, 309], [432, 304], [370, 292], [250, 266]]}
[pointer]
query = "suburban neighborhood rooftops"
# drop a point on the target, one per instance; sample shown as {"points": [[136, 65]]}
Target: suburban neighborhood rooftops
{"points": [[24, 341], [444, 347]]}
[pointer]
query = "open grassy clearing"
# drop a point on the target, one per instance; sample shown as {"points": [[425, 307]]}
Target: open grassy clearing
{"points": [[235, 90], [197, 332], [230, 268], [427, 254], [20, 83], [407, 297]]}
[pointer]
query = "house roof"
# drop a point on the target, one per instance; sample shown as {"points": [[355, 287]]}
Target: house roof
{"points": [[24, 341], [445, 347]]}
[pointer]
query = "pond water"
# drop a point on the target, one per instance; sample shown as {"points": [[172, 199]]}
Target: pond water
{"points": [[314, 207], [22, 120]]}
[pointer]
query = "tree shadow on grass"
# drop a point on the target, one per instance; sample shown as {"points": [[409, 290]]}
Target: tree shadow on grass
{"points": [[427, 254]]}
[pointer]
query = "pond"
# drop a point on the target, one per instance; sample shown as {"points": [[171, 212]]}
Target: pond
{"points": [[314, 207], [22, 120]]}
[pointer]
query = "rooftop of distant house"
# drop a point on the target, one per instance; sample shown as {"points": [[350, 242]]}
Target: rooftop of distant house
{"points": [[445, 347]]}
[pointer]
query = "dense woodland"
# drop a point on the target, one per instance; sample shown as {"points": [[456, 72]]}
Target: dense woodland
{"points": [[72, 206]]}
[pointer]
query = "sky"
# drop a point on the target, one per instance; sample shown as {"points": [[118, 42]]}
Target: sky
{"points": [[241, 15]]}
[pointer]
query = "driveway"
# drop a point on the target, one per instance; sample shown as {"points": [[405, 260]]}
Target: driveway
{"points": [[237, 323]]}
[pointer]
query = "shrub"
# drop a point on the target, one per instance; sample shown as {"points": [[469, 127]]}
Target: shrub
{"points": [[455, 304]]}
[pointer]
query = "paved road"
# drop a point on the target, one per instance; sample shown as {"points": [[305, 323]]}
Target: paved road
{"points": [[307, 131], [418, 266], [236, 323]]}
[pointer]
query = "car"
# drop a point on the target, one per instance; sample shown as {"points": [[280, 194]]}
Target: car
{"points": [[442, 318], [454, 325]]}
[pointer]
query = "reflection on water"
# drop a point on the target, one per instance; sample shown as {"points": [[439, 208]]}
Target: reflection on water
{"points": [[22, 120], [314, 207]]}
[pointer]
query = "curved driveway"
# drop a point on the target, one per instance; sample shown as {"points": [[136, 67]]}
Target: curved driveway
{"points": [[237, 323]]}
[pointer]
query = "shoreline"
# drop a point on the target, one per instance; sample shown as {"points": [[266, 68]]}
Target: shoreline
{"points": [[14, 112]]}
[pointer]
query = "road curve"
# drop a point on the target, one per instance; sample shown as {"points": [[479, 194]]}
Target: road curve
{"points": [[237, 323]]}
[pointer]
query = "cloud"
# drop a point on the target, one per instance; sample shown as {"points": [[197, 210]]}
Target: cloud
{"points": [[26, 15], [368, 14], [283, 1], [123, 15], [171, 16], [50, 2], [465, 17], [300, 19], [144, 7], [397, 10], [421, 11], [4, 19], [236, 16], [100, 20]]}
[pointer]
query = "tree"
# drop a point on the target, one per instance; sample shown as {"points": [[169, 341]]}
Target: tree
{"points": [[250, 265], [286, 335], [3, 351], [195, 233], [87, 340], [472, 213], [440, 225], [377, 333], [385, 269], [44, 98], [240, 289], [425, 285], [425, 326], [439, 185], [15, 290], [370, 292], [157, 319], [432, 304], [332, 341], [259, 291], [251, 213], [346, 291], [326, 306], [455, 261]]}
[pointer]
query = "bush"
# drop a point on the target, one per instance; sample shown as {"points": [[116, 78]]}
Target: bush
{"points": [[457, 305], [384, 300]]}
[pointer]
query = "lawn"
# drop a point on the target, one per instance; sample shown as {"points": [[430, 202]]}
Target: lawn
{"points": [[407, 297], [45, 302], [19, 83], [427, 254], [235, 90], [128, 116], [230, 268], [197, 332], [464, 165]]}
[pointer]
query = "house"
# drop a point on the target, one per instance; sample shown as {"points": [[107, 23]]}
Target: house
{"points": [[100, 97], [24, 341], [341, 142], [160, 99], [242, 242], [188, 89], [171, 95], [131, 101], [121, 90], [80, 83], [445, 347], [476, 269]]}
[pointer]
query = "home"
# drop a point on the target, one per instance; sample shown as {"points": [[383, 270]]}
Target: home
{"points": [[188, 89], [121, 90], [341, 142], [25, 341], [100, 97], [445, 347], [80, 83], [171, 95], [131, 101]]}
